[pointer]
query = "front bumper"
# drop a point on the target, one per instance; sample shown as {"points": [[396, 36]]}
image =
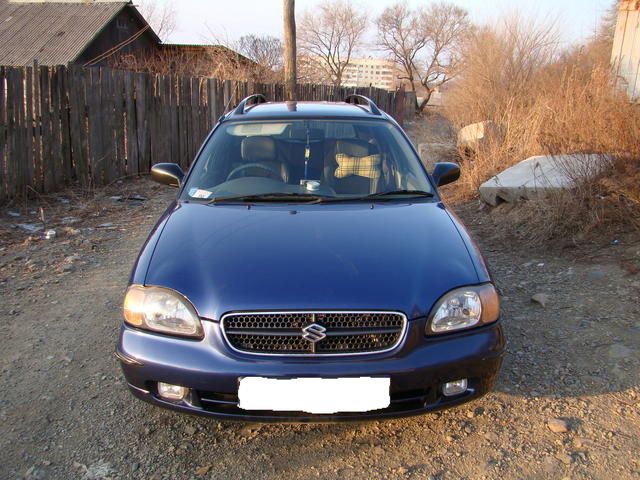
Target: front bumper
{"points": [[417, 368]]}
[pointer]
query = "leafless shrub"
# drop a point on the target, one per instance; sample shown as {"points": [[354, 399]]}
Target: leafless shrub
{"points": [[193, 60], [502, 66]]}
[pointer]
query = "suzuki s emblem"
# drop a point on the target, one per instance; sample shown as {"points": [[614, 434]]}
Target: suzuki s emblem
{"points": [[314, 332]]}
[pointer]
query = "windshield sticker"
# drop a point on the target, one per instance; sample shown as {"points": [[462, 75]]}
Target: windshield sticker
{"points": [[199, 193]]}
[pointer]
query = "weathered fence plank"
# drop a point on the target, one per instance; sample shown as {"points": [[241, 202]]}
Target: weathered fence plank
{"points": [[77, 121], [131, 122], [48, 166], [94, 117], [29, 127], [119, 123], [174, 149], [21, 155], [108, 109], [37, 128], [65, 127], [3, 141], [143, 83], [12, 155], [56, 150]]}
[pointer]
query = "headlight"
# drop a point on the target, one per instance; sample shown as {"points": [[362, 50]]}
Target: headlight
{"points": [[464, 308], [161, 310]]}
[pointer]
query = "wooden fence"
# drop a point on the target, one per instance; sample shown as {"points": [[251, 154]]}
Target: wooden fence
{"points": [[63, 125]]}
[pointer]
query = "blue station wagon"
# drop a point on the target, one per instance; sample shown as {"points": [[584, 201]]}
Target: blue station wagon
{"points": [[309, 271]]}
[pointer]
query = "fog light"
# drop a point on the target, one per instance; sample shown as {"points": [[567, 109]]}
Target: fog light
{"points": [[454, 388], [172, 392]]}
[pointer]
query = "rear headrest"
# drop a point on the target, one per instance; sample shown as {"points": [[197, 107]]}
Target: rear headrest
{"points": [[258, 149], [355, 148]]}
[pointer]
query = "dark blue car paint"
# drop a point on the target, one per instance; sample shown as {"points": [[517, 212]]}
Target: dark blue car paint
{"points": [[399, 256], [395, 256]]}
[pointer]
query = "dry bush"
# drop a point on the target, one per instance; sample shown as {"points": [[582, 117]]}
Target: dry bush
{"points": [[546, 102], [212, 61]]}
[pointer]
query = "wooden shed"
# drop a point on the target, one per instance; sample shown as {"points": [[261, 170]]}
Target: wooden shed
{"points": [[61, 32]]}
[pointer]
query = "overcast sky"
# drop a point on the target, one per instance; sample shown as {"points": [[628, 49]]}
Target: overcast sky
{"points": [[230, 19]]}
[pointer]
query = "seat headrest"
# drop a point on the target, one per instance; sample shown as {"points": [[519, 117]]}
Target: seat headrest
{"points": [[258, 149], [355, 148], [368, 167]]}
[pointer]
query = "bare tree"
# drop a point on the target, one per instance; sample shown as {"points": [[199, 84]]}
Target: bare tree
{"points": [[161, 17], [332, 34], [266, 51], [289, 14], [424, 42], [400, 35]]}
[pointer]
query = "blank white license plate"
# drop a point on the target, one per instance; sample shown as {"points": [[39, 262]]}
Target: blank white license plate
{"points": [[314, 395]]}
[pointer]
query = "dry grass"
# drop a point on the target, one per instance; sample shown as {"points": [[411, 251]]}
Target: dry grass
{"points": [[546, 102]]}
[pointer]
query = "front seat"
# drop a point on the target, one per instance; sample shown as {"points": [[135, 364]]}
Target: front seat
{"points": [[353, 167], [260, 151]]}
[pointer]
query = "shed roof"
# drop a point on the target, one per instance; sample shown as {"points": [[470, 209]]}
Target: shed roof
{"points": [[53, 33]]}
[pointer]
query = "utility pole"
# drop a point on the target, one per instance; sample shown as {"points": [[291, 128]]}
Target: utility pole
{"points": [[290, 49]]}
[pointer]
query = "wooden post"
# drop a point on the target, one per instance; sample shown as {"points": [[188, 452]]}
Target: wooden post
{"points": [[290, 49]]}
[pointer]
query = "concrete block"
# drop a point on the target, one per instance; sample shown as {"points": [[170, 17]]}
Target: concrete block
{"points": [[476, 135], [536, 177]]}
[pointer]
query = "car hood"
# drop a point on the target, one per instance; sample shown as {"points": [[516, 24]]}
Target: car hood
{"points": [[388, 256]]}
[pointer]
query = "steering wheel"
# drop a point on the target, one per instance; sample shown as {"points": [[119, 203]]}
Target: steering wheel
{"points": [[271, 171]]}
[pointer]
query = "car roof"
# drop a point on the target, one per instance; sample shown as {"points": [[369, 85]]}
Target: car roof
{"points": [[292, 110]]}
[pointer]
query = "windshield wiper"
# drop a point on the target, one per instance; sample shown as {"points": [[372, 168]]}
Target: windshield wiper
{"points": [[398, 193], [266, 197], [374, 196]]}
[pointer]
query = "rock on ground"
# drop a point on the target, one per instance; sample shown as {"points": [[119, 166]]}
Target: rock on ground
{"points": [[558, 425]]}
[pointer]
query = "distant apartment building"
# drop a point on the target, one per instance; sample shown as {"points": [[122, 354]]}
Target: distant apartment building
{"points": [[374, 72]]}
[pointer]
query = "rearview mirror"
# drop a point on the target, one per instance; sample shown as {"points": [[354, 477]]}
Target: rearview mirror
{"points": [[167, 174], [445, 172]]}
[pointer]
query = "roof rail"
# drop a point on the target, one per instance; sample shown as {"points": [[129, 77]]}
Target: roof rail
{"points": [[256, 98], [356, 99]]}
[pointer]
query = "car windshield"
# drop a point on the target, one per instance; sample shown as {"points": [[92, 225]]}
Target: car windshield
{"points": [[306, 160]]}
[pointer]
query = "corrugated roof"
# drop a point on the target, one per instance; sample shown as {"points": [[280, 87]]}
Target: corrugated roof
{"points": [[51, 33]]}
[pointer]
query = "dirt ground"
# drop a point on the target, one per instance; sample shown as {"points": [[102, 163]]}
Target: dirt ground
{"points": [[572, 364]]}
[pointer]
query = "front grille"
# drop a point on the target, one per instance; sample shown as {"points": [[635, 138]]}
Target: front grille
{"points": [[314, 333]]}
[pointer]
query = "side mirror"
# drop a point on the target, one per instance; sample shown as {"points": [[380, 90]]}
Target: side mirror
{"points": [[167, 174], [445, 172]]}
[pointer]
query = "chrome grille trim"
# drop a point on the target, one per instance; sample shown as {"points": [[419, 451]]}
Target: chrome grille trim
{"points": [[330, 333]]}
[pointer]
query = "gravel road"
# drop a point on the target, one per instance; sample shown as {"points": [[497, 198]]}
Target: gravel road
{"points": [[566, 406]]}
